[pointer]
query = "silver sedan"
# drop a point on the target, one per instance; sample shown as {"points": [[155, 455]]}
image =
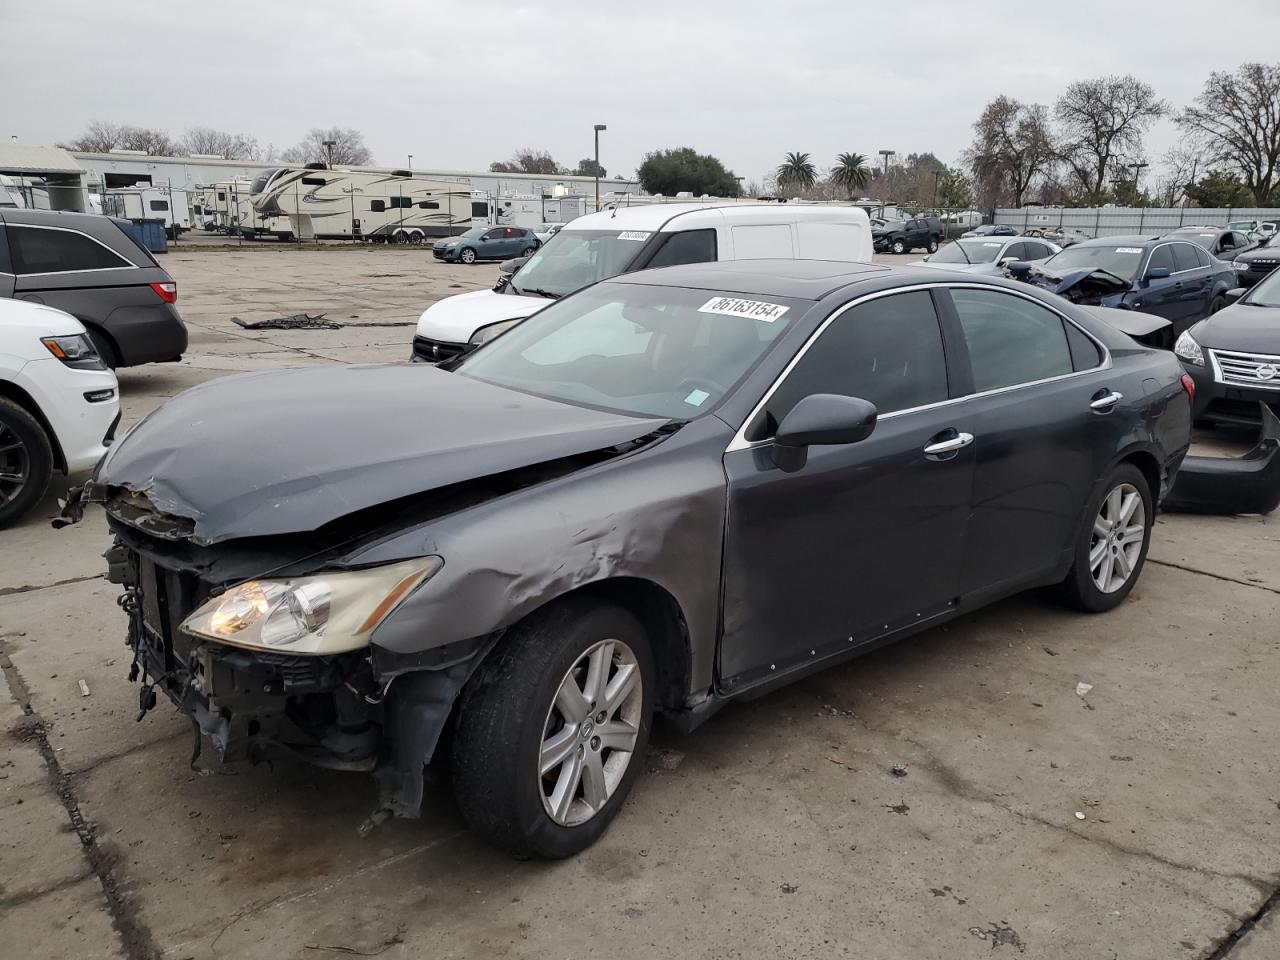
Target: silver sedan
{"points": [[988, 255]]}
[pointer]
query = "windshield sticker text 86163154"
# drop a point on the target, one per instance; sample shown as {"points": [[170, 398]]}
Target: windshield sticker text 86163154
{"points": [[634, 235], [737, 307]]}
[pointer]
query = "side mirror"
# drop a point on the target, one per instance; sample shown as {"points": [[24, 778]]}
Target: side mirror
{"points": [[1005, 261], [821, 419], [1235, 293], [1158, 273]]}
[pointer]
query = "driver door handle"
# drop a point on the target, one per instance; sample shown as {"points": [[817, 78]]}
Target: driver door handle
{"points": [[943, 447], [1104, 403]]}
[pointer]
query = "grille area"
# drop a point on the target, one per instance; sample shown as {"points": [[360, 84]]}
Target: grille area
{"points": [[435, 351], [1257, 370]]}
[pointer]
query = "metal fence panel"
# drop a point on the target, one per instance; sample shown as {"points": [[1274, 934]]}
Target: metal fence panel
{"points": [[1119, 221]]}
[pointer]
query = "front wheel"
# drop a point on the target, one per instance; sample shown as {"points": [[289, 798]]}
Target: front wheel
{"points": [[1112, 548], [933, 246], [899, 247], [467, 256], [529, 251], [551, 729], [26, 461]]}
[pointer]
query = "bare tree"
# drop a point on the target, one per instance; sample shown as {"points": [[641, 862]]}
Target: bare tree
{"points": [[1103, 120], [348, 148], [102, 137], [1237, 118], [1011, 148], [1183, 166], [528, 160], [229, 146]]}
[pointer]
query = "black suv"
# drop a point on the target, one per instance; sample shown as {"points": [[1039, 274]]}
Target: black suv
{"points": [[91, 267], [903, 236]]}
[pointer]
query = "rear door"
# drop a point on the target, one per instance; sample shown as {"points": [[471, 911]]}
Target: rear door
{"points": [[1193, 283], [6, 267], [1037, 435]]}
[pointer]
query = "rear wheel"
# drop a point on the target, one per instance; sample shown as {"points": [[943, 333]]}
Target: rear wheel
{"points": [[1112, 547], [26, 461], [933, 245], [529, 251], [467, 256], [551, 728]]}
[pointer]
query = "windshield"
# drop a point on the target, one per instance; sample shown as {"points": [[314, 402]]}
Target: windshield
{"points": [[636, 349], [977, 251], [573, 259], [261, 182], [1267, 291], [1243, 225], [1121, 261], [475, 233]]}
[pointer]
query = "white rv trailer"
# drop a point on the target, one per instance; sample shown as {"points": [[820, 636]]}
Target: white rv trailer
{"points": [[150, 203], [202, 208], [383, 205]]}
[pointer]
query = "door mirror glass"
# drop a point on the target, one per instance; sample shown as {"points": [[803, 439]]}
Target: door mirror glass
{"points": [[1158, 273], [826, 419]]}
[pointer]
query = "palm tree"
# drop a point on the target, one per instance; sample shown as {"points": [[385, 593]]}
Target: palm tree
{"points": [[796, 170], [851, 172]]}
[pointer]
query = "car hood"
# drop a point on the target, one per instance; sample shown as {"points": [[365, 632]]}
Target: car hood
{"points": [[1060, 281], [287, 452], [1241, 327], [455, 319]]}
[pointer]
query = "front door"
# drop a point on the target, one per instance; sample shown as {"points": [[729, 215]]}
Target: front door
{"points": [[865, 538]]}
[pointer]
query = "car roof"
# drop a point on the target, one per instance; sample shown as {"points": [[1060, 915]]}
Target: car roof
{"points": [[52, 218], [1123, 241], [656, 216], [793, 279]]}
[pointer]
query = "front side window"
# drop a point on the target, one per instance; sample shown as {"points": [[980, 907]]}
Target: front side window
{"points": [[1162, 257], [887, 351], [685, 246], [1011, 340], [41, 250], [637, 349]]}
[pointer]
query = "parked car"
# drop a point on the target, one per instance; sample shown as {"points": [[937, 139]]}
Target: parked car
{"points": [[990, 230], [545, 231], [1174, 279], [487, 243], [1223, 244], [1252, 265], [91, 267], [1234, 356], [640, 499], [627, 239], [1062, 236], [988, 256], [59, 404], [1257, 229], [903, 236]]}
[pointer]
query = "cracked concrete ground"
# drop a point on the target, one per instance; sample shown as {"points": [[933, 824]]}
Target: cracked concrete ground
{"points": [[776, 830]]}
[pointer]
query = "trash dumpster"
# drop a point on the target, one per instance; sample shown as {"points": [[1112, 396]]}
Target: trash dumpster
{"points": [[147, 233]]}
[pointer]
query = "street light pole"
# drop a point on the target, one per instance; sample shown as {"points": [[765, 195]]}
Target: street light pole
{"points": [[1137, 172], [884, 168], [937, 175], [328, 146], [411, 163], [596, 171]]}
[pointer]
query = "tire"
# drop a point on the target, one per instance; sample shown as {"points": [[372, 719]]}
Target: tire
{"points": [[1081, 588], [898, 247], [529, 251], [104, 347], [1216, 304], [467, 255], [933, 245], [25, 452], [509, 717]]}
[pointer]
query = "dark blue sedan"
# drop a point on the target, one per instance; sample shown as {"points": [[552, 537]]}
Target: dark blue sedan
{"points": [[487, 243], [1170, 278]]}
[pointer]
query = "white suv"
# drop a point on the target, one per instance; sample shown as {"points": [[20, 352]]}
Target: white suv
{"points": [[625, 239], [59, 403]]}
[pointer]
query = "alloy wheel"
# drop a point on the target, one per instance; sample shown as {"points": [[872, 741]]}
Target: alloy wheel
{"points": [[590, 733], [1118, 534], [15, 464]]}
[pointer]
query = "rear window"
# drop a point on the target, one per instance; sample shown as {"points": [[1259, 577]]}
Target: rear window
{"points": [[48, 250]]}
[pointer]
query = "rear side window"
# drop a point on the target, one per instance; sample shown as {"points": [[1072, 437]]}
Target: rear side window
{"points": [[159, 204], [1202, 256], [1085, 354], [888, 351], [686, 246], [762, 242], [1011, 340], [1184, 256], [44, 250]]}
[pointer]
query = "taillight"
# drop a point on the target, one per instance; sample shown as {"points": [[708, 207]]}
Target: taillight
{"points": [[166, 290], [1189, 385]]}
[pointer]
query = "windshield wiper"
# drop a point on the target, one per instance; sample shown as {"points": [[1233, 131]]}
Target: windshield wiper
{"points": [[965, 253], [537, 291]]}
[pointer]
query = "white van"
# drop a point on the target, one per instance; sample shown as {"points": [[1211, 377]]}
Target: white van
{"points": [[622, 240]]}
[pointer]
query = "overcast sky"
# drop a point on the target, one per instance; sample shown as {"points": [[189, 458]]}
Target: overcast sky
{"points": [[461, 84]]}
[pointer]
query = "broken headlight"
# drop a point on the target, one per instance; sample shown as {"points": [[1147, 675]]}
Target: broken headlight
{"points": [[322, 614], [1187, 349]]}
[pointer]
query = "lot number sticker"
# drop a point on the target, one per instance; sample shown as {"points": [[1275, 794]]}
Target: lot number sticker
{"points": [[634, 235], [1128, 249], [735, 307]]}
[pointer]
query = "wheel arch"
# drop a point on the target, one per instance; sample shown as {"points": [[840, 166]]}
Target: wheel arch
{"points": [[11, 391], [1149, 465]]}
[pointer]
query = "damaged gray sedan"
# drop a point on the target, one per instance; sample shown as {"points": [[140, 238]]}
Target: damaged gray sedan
{"points": [[669, 490]]}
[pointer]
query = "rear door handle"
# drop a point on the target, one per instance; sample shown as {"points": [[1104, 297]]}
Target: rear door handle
{"points": [[1106, 402], [943, 447]]}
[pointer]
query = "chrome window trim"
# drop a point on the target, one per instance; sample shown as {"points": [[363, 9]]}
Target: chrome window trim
{"points": [[128, 265], [1171, 243], [740, 441]]}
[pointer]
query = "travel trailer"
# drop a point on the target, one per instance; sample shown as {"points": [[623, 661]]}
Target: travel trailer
{"points": [[150, 203], [341, 203]]}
